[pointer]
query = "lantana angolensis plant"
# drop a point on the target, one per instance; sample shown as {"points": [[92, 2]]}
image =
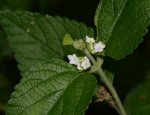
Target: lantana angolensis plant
{"points": [[61, 60]]}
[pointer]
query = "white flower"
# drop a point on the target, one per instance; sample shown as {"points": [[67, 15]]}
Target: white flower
{"points": [[99, 47], [73, 59], [85, 63], [93, 46], [82, 63], [90, 40]]}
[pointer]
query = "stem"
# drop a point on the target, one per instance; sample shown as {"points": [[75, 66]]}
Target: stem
{"points": [[107, 83], [90, 56], [112, 90]]}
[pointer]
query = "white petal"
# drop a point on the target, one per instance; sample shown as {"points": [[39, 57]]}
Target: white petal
{"points": [[89, 40], [99, 47], [73, 59], [85, 63]]}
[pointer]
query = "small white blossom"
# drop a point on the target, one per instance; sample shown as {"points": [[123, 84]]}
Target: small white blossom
{"points": [[99, 47], [85, 63], [82, 63], [73, 59], [90, 40]]}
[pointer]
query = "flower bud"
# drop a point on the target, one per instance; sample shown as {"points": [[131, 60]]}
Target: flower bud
{"points": [[67, 40], [79, 44]]}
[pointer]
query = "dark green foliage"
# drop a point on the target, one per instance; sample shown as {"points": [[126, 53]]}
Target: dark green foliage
{"points": [[34, 37], [138, 100], [121, 24], [53, 87]]}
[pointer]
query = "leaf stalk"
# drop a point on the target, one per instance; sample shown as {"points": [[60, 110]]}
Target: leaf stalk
{"points": [[108, 84]]}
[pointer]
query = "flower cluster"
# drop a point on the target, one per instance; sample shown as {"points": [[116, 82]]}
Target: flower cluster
{"points": [[82, 63], [95, 47]]}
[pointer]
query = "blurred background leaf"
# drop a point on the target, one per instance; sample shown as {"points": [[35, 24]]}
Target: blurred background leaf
{"points": [[138, 101], [16, 4]]}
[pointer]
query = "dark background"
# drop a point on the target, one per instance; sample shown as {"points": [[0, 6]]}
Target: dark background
{"points": [[82, 11]]}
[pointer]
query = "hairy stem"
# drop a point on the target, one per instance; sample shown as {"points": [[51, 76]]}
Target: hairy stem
{"points": [[108, 84], [112, 90]]}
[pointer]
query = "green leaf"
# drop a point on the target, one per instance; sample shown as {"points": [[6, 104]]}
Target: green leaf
{"points": [[121, 25], [54, 87], [138, 101], [34, 37]]}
